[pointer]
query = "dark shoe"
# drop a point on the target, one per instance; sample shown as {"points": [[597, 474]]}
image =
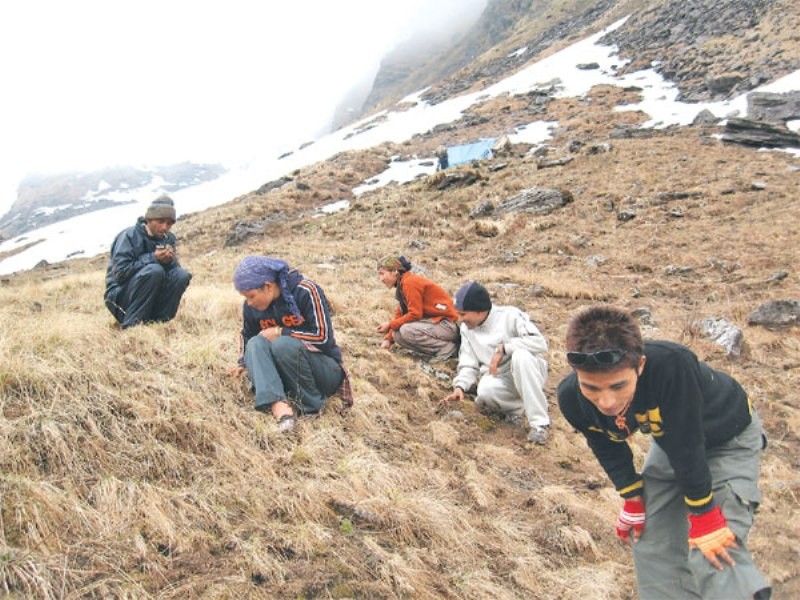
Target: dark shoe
{"points": [[286, 423]]}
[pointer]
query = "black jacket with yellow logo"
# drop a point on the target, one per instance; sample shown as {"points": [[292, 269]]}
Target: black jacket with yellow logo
{"points": [[683, 403]]}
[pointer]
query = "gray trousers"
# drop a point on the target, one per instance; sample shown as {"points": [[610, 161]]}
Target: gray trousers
{"points": [[517, 389], [439, 340], [286, 370], [665, 567]]}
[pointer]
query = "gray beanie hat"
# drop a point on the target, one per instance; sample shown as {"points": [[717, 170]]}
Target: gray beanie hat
{"points": [[472, 296], [162, 208]]}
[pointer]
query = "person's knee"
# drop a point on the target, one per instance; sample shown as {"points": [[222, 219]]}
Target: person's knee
{"points": [[286, 349], [182, 277], [257, 343], [398, 335], [153, 271]]}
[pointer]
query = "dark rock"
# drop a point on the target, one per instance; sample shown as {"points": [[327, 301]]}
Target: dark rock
{"points": [[600, 148], [541, 201], [454, 179], [776, 314], [273, 185], [723, 84], [705, 118], [555, 162], [484, 209], [773, 108], [759, 134]]}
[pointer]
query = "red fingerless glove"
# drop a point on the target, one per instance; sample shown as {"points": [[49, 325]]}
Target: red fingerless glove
{"points": [[710, 534], [630, 517]]}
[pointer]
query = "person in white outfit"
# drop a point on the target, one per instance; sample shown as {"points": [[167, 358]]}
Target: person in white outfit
{"points": [[504, 352]]}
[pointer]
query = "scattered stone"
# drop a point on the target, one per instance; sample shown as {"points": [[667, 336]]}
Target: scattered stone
{"points": [[676, 270], [588, 66], [705, 118], [454, 179], [427, 368], [542, 201], [723, 333], [779, 276], [596, 261], [723, 84], [625, 215], [574, 146], [776, 314], [484, 209], [758, 186], [601, 148], [759, 134], [644, 315], [555, 162], [664, 197], [273, 185], [772, 107]]}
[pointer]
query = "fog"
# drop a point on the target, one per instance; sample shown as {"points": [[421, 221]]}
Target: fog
{"points": [[92, 83]]}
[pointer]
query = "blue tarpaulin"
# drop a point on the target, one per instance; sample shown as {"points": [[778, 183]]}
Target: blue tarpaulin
{"points": [[464, 153]]}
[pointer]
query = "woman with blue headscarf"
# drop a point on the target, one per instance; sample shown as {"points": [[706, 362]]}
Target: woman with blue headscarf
{"points": [[287, 344]]}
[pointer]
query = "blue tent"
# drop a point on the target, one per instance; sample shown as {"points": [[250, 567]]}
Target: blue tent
{"points": [[465, 153]]}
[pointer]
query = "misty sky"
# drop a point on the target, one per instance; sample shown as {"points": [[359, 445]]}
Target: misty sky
{"points": [[91, 83]]}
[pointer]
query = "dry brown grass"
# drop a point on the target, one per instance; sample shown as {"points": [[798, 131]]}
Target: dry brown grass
{"points": [[133, 467]]}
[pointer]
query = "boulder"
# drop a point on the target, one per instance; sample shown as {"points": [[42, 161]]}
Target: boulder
{"points": [[776, 314]]}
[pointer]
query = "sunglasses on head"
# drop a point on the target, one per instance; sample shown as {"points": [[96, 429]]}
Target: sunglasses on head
{"points": [[605, 358]]}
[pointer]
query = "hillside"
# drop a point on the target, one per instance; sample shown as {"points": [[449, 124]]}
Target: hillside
{"points": [[133, 467]]}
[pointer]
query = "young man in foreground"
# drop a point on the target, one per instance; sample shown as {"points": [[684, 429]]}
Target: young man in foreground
{"points": [[690, 510]]}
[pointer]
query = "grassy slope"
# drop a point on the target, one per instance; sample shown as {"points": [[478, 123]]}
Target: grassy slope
{"points": [[133, 467]]}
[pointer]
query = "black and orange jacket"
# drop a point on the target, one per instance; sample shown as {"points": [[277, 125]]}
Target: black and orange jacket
{"points": [[683, 403], [420, 298], [313, 326]]}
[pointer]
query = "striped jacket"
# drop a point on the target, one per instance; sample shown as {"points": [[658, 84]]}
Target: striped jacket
{"points": [[313, 326]]}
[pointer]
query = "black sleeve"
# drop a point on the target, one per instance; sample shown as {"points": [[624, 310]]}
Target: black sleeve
{"points": [[613, 454], [250, 328], [677, 387]]}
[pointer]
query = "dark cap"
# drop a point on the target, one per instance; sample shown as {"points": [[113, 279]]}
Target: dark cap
{"points": [[472, 296]]}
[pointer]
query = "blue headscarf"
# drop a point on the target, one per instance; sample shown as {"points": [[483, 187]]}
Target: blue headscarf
{"points": [[254, 271]]}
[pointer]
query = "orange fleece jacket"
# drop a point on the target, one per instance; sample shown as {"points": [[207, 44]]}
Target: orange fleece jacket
{"points": [[425, 300]]}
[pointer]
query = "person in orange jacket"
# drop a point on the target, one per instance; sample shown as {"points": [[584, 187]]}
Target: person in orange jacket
{"points": [[425, 318]]}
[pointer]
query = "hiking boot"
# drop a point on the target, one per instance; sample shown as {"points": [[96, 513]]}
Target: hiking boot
{"points": [[539, 435], [286, 423]]}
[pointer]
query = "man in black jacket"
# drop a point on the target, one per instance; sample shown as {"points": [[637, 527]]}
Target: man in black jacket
{"points": [[144, 280], [690, 510]]}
